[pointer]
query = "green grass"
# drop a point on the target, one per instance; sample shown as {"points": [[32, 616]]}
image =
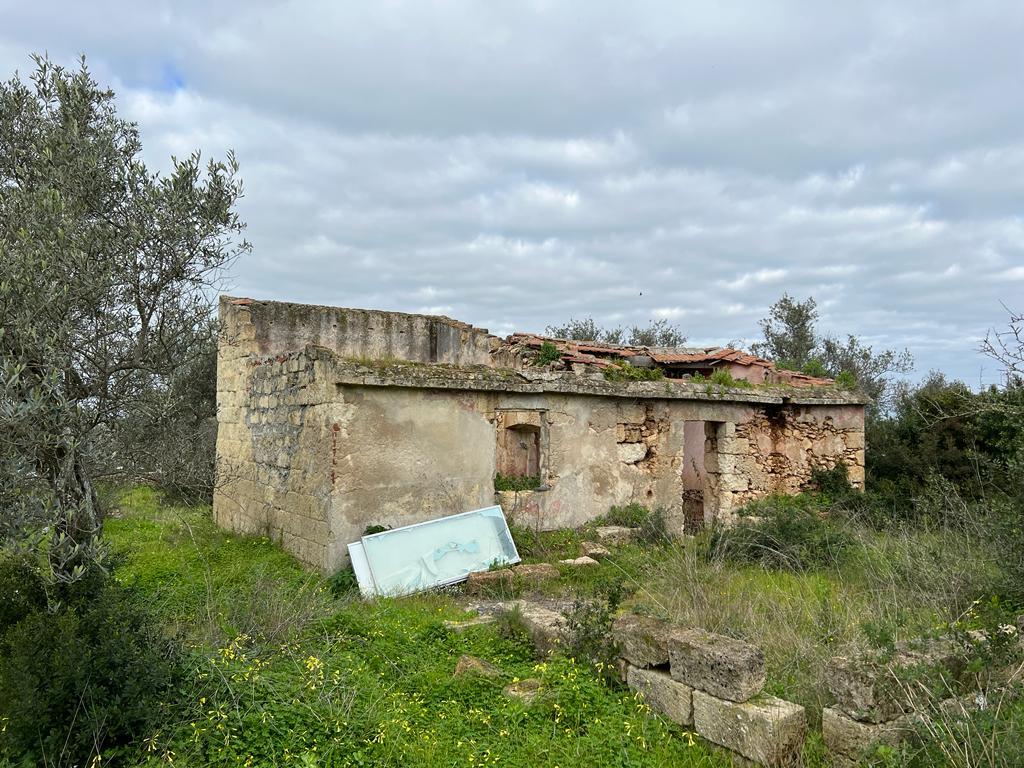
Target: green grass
{"points": [[886, 587], [284, 673]]}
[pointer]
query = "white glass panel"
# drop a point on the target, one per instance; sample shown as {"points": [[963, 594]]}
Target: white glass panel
{"points": [[438, 552]]}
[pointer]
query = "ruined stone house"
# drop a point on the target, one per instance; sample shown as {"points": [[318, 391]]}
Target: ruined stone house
{"points": [[331, 420]]}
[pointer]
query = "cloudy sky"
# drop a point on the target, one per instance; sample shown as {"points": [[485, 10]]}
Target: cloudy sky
{"points": [[513, 164]]}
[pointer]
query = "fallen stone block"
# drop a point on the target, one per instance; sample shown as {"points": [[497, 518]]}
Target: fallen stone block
{"points": [[505, 579], [849, 740], [594, 550], [579, 562], [471, 665], [616, 534], [667, 697], [868, 690], [621, 670], [642, 640], [959, 708], [877, 688], [766, 730], [489, 581], [535, 572], [722, 666], [545, 626]]}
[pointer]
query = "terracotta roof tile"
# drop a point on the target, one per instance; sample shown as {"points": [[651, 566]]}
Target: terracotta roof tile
{"points": [[596, 354]]}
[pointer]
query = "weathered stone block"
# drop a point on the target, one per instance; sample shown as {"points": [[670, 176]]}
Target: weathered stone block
{"points": [[850, 739], [667, 697], [471, 665], [535, 572], [725, 667], [642, 640], [615, 534], [487, 581], [631, 453], [579, 562], [767, 730], [524, 690], [545, 626], [506, 578], [594, 550], [868, 690], [476, 621]]}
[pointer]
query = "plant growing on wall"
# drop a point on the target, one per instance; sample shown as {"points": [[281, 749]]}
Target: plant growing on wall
{"points": [[512, 483], [548, 354], [625, 372]]}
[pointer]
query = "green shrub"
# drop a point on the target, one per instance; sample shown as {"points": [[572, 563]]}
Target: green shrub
{"points": [[21, 590], [513, 483], [626, 372], [833, 483], [86, 678], [723, 378], [787, 532], [588, 625], [814, 367], [343, 582], [545, 545], [548, 354]]}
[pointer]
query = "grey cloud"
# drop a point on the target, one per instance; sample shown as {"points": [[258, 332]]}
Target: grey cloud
{"points": [[514, 164]]}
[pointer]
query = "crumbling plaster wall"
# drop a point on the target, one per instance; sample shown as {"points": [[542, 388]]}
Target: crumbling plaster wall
{"points": [[400, 456], [601, 452]]}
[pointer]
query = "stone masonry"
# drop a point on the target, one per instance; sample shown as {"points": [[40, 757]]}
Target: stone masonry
{"points": [[710, 683], [330, 420]]}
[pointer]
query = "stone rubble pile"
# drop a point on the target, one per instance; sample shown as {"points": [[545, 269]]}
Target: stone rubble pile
{"points": [[879, 699], [505, 579]]}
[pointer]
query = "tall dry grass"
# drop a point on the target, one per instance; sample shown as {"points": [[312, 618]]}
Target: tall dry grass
{"points": [[887, 587]]}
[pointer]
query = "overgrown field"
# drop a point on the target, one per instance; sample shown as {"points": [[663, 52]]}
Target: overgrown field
{"points": [[285, 672], [273, 665]]}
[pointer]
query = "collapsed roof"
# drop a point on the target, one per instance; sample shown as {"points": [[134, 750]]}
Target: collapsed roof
{"points": [[675, 362]]}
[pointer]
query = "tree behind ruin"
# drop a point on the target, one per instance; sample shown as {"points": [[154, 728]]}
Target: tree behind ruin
{"points": [[657, 333], [792, 341]]}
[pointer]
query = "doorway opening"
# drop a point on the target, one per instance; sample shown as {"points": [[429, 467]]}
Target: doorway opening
{"points": [[694, 475]]}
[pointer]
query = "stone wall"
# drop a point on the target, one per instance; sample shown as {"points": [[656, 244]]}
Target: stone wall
{"points": [[272, 448], [276, 327], [775, 449]]}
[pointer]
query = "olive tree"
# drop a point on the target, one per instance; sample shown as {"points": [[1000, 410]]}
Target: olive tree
{"points": [[790, 332], [107, 271]]}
